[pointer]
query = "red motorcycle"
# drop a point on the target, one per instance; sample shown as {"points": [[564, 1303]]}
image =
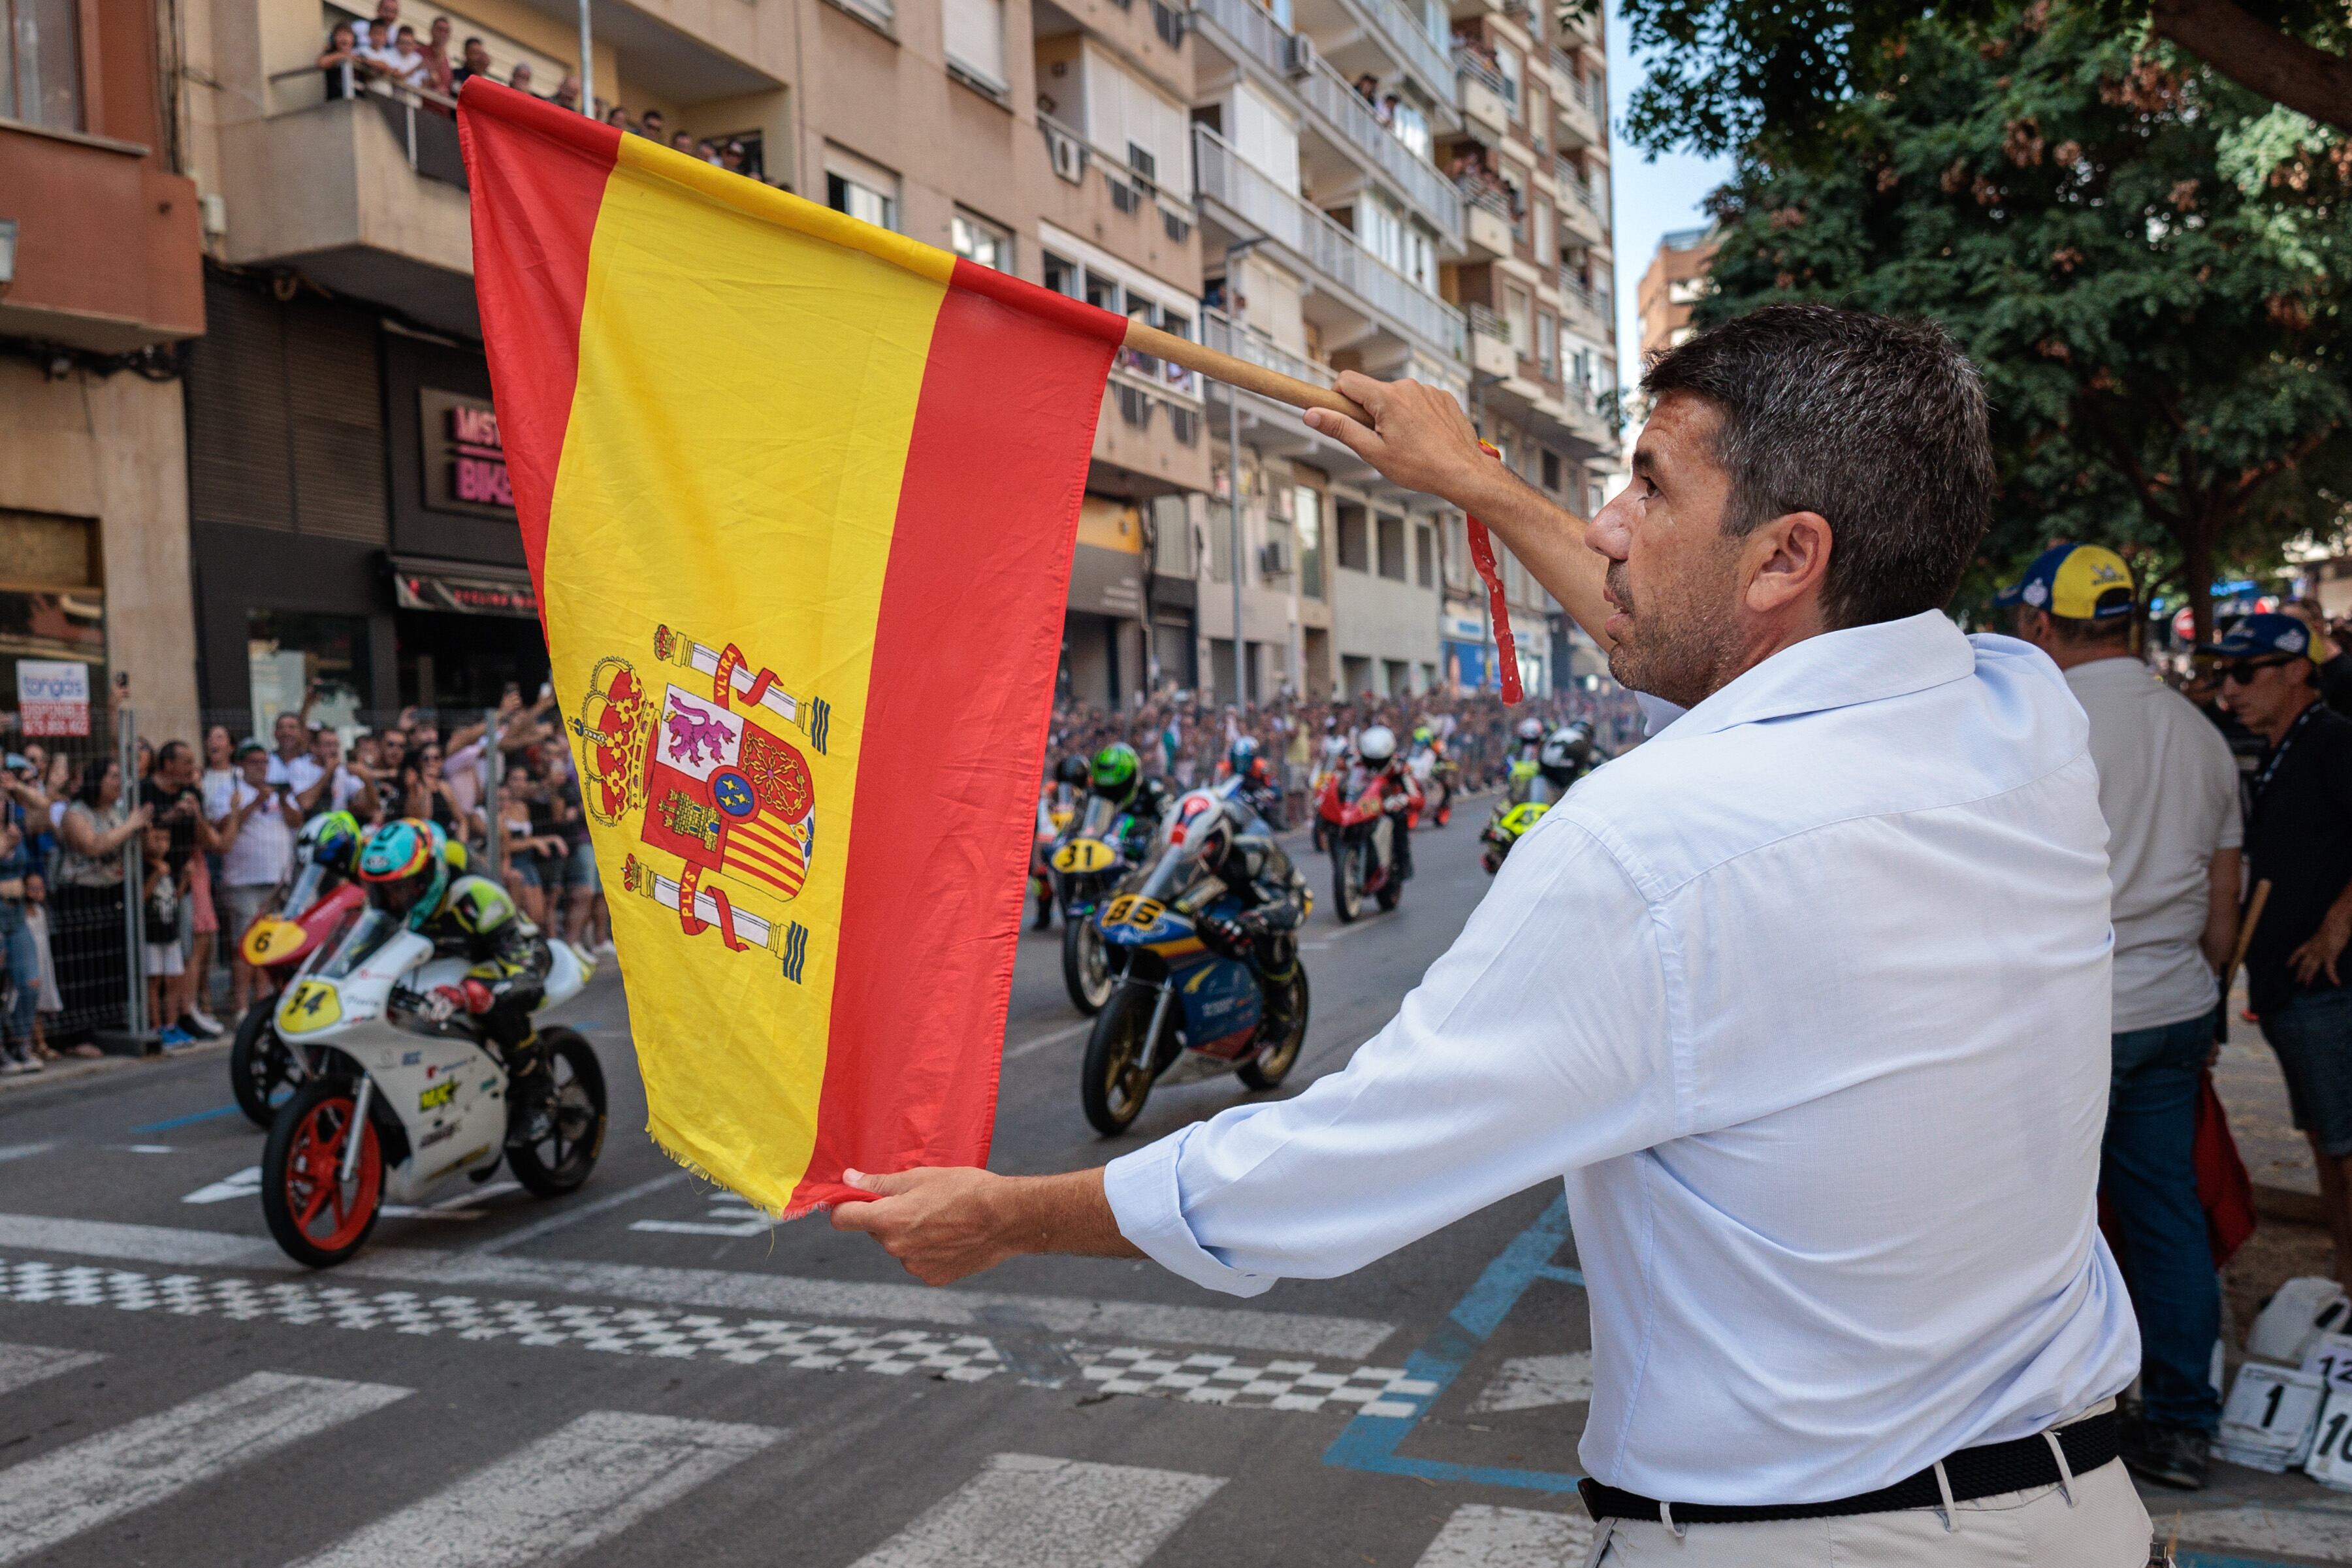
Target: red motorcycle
{"points": [[1368, 806], [263, 1070]]}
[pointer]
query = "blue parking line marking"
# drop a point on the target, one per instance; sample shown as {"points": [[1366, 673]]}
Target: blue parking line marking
{"points": [[1371, 1442], [166, 1127], [2207, 1560]]}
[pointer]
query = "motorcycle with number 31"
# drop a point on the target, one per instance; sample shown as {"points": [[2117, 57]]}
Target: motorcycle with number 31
{"points": [[403, 1095]]}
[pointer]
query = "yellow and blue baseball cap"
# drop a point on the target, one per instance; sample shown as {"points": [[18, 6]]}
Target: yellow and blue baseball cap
{"points": [[2079, 582], [2267, 636]]}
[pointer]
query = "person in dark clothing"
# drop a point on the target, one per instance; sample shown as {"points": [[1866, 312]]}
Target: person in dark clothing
{"points": [[2335, 663], [1271, 894], [2299, 840]]}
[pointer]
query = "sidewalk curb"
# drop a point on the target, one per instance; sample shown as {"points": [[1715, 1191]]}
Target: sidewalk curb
{"points": [[74, 1070]]}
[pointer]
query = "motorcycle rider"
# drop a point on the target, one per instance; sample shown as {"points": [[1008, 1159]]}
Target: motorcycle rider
{"points": [[1241, 853], [1258, 790], [406, 867], [1059, 798], [1117, 777], [1376, 749], [1568, 753]]}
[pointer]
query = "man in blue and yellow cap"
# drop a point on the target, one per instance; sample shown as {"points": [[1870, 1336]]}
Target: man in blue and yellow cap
{"points": [[2169, 789], [2299, 840]]}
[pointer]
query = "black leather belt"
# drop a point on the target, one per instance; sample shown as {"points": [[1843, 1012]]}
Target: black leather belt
{"points": [[1988, 1471]]}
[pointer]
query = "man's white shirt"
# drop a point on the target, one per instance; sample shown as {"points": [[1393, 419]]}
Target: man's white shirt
{"points": [[1807, 1000]]}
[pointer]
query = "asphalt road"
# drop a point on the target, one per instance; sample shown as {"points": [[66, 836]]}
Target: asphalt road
{"points": [[648, 1371]]}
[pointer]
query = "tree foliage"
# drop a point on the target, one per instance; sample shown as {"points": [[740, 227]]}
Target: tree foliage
{"points": [[2146, 260]]}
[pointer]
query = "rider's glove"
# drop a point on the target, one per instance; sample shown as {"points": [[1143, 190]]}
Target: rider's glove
{"points": [[473, 997], [1234, 932]]}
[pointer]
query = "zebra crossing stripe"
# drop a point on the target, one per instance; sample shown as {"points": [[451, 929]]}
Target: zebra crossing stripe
{"points": [[548, 1501], [1479, 1535], [77, 1487], [22, 1364], [1026, 1512]]}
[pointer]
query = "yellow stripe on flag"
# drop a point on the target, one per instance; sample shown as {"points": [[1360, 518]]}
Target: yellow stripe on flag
{"points": [[663, 523]]}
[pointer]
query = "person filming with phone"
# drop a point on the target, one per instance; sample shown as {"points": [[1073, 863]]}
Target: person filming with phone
{"points": [[257, 839]]}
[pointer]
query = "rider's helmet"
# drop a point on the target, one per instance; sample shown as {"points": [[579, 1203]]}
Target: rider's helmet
{"points": [[1202, 827], [331, 840], [1531, 729], [1567, 753], [1241, 756], [1421, 736], [405, 869], [1116, 768], [1072, 770], [1377, 745]]}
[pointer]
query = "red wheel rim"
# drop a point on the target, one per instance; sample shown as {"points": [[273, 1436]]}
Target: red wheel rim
{"points": [[315, 1193]]}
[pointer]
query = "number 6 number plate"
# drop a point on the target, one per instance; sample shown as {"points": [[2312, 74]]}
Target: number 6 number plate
{"points": [[2271, 1411]]}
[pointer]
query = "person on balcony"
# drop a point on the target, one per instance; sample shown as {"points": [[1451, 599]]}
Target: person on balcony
{"points": [[649, 125], [519, 77], [567, 92], [476, 62], [341, 63], [440, 72]]}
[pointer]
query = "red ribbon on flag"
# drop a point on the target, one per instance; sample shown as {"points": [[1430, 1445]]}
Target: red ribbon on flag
{"points": [[1482, 556]]}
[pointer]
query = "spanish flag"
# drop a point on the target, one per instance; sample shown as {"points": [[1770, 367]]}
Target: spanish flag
{"points": [[799, 497]]}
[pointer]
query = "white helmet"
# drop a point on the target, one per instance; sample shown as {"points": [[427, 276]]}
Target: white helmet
{"points": [[1377, 745], [1531, 728]]}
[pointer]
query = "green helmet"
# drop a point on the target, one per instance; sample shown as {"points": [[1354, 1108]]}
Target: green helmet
{"points": [[1115, 770]]}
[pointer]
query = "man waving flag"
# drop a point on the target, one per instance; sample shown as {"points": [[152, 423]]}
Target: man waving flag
{"points": [[799, 496]]}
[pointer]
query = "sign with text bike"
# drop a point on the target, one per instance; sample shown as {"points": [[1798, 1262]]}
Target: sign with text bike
{"points": [[464, 461], [53, 696]]}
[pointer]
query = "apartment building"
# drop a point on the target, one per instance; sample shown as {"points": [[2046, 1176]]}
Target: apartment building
{"points": [[1671, 287], [100, 279]]}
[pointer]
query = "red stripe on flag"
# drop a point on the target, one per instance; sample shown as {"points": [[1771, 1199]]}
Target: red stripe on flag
{"points": [[538, 174], [961, 688]]}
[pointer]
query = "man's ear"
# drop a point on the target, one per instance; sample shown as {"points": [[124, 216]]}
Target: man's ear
{"points": [[1787, 560]]}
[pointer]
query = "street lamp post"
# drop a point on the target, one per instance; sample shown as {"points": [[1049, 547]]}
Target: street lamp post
{"points": [[1233, 252], [587, 65]]}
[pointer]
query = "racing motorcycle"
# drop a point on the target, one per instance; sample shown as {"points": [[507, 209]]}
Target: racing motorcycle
{"points": [[1093, 859], [1439, 778], [1177, 999], [402, 1096], [1359, 808], [263, 1070], [1057, 808], [1531, 797]]}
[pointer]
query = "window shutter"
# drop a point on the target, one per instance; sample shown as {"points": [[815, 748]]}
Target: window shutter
{"points": [[240, 461], [337, 425], [975, 37]]}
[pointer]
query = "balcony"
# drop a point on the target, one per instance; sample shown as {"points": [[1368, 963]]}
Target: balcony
{"points": [[1485, 97], [1245, 29], [366, 195], [1581, 105], [1582, 29], [1341, 268], [109, 257], [1586, 309], [1491, 353], [1395, 31], [1579, 210], [1487, 226]]}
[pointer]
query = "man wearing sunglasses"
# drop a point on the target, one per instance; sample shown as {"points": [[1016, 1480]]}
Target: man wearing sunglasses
{"points": [[2299, 840], [2169, 791]]}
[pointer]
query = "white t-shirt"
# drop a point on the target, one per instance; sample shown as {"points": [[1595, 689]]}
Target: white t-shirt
{"points": [[2169, 789], [263, 855]]}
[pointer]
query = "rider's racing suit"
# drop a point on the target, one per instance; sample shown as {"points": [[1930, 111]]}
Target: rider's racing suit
{"points": [[1273, 896], [476, 920]]}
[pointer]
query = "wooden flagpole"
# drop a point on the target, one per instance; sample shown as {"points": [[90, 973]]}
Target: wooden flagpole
{"points": [[1239, 373]]}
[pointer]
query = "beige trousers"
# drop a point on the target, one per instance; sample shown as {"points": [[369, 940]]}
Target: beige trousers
{"points": [[2101, 1525]]}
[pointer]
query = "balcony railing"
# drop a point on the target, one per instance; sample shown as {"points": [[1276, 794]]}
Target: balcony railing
{"points": [[1482, 70], [1422, 55], [1486, 322], [1478, 193], [425, 122], [1218, 331], [1596, 301], [1308, 233], [1327, 92]]}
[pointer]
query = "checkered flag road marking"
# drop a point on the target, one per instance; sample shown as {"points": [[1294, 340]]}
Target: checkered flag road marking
{"points": [[1200, 1379]]}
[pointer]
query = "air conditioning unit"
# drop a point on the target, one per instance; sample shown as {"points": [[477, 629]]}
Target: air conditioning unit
{"points": [[1274, 559], [1069, 155], [1298, 55]]}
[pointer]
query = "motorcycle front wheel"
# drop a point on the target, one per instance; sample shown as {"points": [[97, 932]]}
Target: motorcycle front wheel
{"points": [[316, 1217], [1116, 1077], [1275, 1057], [1392, 886], [560, 1158], [263, 1070], [1086, 965], [1347, 877]]}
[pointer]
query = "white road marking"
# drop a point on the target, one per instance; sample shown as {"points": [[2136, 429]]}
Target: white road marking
{"points": [[729, 1216], [451, 1207], [578, 1212], [1071, 1031], [1203, 1377], [24, 1151], [1024, 1512], [152, 1149], [551, 1501], [24, 1363], [1482, 1536], [2318, 1530], [83, 1485], [245, 1183], [1237, 1328], [1535, 1381]]}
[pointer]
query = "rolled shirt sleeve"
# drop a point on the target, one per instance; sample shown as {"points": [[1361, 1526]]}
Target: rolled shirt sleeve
{"points": [[1540, 1042]]}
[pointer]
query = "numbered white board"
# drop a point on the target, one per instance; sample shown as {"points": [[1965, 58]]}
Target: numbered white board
{"points": [[2271, 1415]]}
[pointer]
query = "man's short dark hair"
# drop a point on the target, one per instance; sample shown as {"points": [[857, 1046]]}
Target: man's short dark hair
{"points": [[2081, 634], [1877, 424]]}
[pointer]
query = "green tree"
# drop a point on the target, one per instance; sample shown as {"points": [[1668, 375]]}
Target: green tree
{"points": [[2146, 260]]}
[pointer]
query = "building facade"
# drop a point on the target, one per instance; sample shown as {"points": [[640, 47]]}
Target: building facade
{"points": [[100, 282], [1671, 287]]}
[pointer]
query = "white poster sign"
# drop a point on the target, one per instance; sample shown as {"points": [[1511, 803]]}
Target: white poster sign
{"points": [[53, 696]]}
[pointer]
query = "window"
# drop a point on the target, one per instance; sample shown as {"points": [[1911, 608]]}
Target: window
{"points": [[1548, 347], [1355, 545], [1265, 138], [1061, 277], [41, 64], [1518, 309], [1507, 61], [866, 192], [1545, 237], [1308, 508], [1538, 119], [1382, 229], [1120, 110], [1686, 290], [1551, 471], [974, 40], [1424, 556], [977, 239], [1391, 540], [1411, 127]]}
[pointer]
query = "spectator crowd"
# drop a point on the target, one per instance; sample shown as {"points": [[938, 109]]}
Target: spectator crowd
{"points": [[215, 828]]}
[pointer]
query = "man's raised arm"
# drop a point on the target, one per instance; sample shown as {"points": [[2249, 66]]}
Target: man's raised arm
{"points": [[1421, 439]]}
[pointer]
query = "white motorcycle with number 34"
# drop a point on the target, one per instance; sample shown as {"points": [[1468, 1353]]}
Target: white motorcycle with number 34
{"points": [[425, 1090]]}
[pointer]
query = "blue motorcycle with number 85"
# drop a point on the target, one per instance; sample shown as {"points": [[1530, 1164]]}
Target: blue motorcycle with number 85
{"points": [[1179, 998]]}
